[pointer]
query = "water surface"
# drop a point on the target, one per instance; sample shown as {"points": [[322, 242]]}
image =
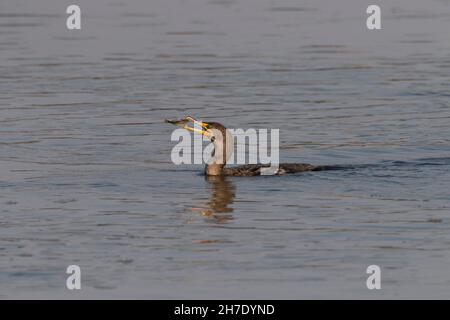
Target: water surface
{"points": [[85, 170]]}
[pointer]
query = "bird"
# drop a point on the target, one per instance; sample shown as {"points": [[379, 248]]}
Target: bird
{"points": [[223, 143]]}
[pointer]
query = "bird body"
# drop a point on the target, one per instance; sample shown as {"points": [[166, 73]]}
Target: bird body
{"points": [[255, 169]]}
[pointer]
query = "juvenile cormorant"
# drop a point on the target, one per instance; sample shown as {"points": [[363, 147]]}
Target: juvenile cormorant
{"points": [[223, 148]]}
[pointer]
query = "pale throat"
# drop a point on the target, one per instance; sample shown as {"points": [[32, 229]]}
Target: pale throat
{"points": [[220, 155]]}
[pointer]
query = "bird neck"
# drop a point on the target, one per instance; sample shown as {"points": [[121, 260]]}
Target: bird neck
{"points": [[223, 148], [214, 169], [215, 165]]}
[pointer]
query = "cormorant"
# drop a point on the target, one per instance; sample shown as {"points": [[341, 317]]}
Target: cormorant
{"points": [[223, 148]]}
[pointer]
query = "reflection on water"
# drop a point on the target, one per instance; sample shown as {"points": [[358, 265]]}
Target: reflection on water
{"points": [[222, 193], [222, 196]]}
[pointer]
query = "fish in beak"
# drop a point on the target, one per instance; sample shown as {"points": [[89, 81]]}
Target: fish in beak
{"points": [[197, 126]]}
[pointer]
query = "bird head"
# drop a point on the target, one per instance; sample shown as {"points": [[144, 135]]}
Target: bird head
{"points": [[218, 134]]}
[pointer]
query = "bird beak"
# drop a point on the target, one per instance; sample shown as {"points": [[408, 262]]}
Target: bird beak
{"points": [[201, 127]]}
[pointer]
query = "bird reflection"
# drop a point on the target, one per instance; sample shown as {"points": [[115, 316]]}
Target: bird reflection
{"points": [[222, 196]]}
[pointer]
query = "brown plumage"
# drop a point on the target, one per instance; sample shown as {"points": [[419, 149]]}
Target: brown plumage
{"points": [[255, 169]]}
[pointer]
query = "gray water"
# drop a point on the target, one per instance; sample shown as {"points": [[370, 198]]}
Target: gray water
{"points": [[86, 176]]}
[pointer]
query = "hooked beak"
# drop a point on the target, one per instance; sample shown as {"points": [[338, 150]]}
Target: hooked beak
{"points": [[198, 126]]}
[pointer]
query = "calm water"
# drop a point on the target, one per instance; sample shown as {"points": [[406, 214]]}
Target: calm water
{"points": [[85, 170]]}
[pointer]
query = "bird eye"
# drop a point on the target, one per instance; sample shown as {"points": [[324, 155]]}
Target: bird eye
{"points": [[213, 138]]}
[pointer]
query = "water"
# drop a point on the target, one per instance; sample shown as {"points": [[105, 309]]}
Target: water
{"points": [[85, 170]]}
